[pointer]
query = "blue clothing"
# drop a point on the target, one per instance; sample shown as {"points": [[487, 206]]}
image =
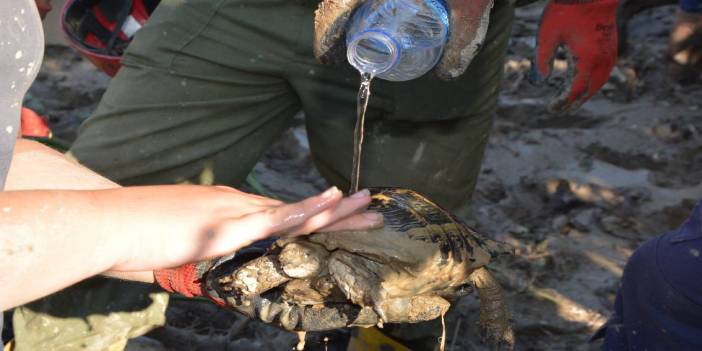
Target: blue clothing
{"points": [[691, 5], [659, 305]]}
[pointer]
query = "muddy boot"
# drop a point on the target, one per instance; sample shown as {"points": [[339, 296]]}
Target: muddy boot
{"points": [[685, 48]]}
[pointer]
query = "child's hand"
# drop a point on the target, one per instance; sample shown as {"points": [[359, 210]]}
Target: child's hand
{"points": [[166, 226]]}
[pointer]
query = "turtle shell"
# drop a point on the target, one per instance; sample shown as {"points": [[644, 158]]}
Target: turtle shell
{"points": [[406, 211], [419, 237]]}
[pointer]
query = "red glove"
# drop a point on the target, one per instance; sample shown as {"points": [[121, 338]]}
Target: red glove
{"points": [[33, 125], [186, 280], [44, 6], [587, 29]]}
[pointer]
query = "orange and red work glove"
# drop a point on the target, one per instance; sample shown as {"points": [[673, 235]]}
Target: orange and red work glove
{"points": [[587, 30], [189, 279], [186, 280], [33, 125]]}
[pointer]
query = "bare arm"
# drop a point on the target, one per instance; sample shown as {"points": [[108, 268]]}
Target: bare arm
{"points": [[36, 166], [50, 239]]}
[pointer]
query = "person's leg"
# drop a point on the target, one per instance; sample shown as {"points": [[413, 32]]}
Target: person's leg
{"points": [[199, 97], [209, 101], [426, 134]]}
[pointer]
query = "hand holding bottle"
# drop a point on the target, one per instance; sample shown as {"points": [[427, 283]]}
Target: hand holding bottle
{"points": [[467, 22]]}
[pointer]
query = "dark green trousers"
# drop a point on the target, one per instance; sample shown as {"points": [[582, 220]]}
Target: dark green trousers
{"points": [[206, 87]]}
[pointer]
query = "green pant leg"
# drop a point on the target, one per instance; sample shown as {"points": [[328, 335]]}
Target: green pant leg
{"points": [[425, 134], [200, 91], [118, 310], [209, 101]]}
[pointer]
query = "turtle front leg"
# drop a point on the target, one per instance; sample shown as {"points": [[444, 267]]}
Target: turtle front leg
{"points": [[357, 277], [495, 320]]}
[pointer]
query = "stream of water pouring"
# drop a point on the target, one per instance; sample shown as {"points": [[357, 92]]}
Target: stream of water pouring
{"points": [[361, 107]]}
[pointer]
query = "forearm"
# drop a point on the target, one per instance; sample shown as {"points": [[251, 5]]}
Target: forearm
{"points": [[144, 276], [36, 166], [50, 240]]}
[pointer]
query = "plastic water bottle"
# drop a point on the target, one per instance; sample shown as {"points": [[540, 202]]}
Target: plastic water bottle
{"points": [[397, 40]]}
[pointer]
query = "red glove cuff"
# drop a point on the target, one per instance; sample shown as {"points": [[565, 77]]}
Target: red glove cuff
{"points": [[184, 280], [33, 125]]}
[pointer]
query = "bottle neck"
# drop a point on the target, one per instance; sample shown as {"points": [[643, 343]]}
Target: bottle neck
{"points": [[373, 51]]}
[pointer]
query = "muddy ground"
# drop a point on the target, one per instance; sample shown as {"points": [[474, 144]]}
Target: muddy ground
{"points": [[574, 194]]}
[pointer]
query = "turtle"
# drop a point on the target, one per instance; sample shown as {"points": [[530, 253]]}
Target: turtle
{"points": [[405, 272]]}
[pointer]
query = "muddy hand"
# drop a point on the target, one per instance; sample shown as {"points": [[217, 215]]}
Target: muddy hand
{"points": [[685, 47], [468, 26], [273, 310], [586, 30], [261, 301], [251, 289], [330, 24]]}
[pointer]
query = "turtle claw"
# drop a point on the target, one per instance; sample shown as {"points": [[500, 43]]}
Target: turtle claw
{"points": [[358, 282], [377, 303]]}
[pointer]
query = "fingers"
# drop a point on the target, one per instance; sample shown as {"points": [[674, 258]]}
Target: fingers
{"points": [[330, 22], [578, 91], [327, 210], [469, 23], [585, 81], [253, 199], [343, 217], [361, 221], [547, 42], [232, 234], [315, 212]]}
